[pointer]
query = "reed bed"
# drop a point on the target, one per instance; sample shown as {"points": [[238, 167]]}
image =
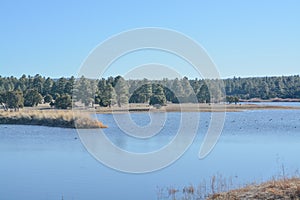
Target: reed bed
{"points": [[53, 118], [286, 188], [220, 188]]}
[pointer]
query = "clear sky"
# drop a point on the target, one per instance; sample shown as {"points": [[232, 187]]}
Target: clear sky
{"points": [[244, 38]]}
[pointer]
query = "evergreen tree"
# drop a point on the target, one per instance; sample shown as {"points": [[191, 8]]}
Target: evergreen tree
{"points": [[187, 90], [38, 83], [203, 95], [177, 89], [14, 99], [158, 96], [121, 89], [106, 95], [48, 98], [22, 83], [69, 86], [59, 86], [32, 97], [47, 87], [142, 94], [2, 98], [83, 91], [63, 102], [109, 96]]}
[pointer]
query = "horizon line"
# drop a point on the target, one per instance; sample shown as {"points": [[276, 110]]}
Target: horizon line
{"points": [[161, 78]]}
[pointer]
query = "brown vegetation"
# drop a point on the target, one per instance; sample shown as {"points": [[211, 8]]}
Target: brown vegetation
{"points": [[54, 118], [274, 189], [220, 188], [191, 107]]}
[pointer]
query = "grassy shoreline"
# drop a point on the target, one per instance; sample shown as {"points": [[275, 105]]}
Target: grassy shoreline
{"points": [[286, 188], [52, 118], [189, 107], [44, 116], [218, 188]]}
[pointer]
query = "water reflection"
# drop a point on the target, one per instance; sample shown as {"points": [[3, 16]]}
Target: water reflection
{"points": [[48, 163]]}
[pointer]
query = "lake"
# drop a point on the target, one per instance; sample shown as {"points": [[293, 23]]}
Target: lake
{"points": [[50, 163]]}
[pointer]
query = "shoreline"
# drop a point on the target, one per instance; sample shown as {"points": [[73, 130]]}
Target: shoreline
{"points": [[45, 116], [219, 188], [285, 188], [51, 118], [189, 107], [257, 100]]}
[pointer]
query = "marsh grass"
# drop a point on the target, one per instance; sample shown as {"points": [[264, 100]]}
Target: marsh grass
{"points": [[285, 188], [217, 187], [206, 188], [54, 118]]}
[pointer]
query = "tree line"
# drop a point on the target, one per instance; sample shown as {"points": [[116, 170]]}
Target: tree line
{"points": [[63, 92]]}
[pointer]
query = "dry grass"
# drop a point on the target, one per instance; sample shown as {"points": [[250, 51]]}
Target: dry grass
{"points": [[204, 190], [287, 188], [220, 188], [190, 107], [55, 118]]}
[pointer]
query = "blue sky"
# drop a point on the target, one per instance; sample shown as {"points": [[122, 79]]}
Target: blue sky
{"points": [[243, 38]]}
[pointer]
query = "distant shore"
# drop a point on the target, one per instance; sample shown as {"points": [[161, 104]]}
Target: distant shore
{"points": [[45, 116], [190, 107], [255, 100]]}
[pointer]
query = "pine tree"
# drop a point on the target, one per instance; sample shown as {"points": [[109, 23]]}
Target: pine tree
{"points": [[203, 95], [121, 89], [32, 97]]}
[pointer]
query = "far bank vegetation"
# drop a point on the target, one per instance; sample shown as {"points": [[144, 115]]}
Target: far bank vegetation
{"points": [[63, 93]]}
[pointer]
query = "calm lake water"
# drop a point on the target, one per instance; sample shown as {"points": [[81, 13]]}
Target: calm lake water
{"points": [[47, 163]]}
